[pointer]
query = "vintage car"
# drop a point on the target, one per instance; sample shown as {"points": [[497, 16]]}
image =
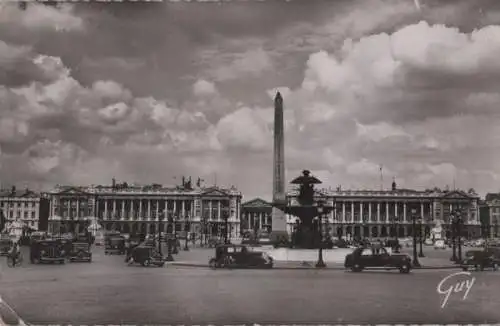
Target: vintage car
{"points": [[80, 251], [480, 259], [439, 244], [239, 256], [146, 256], [115, 245], [37, 236], [47, 251], [374, 257], [5, 245]]}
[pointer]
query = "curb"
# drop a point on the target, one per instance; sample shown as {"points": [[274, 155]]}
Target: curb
{"points": [[8, 316], [199, 265]]}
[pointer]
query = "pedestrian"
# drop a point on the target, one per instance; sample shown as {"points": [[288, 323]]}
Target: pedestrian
{"points": [[14, 252]]}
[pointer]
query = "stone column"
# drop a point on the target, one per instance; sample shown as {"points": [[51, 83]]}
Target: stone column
{"points": [[361, 212], [140, 210], [386, 212], [422, 212], [149, 208], [158, 212], [378, 214], [218, 211], [404, 213], [343, 212], [396, 210], [370, 212], [352, 210]]}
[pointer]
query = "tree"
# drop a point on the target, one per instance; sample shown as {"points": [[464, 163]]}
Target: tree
{"points": [[471, 191]]}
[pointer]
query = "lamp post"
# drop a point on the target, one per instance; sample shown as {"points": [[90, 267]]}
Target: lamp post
{"points": [[175, 249], [169, 241], [453, 236], [459, 233], [421, 236], [416, 263], [320, 263], [187, 226], [226, 228]]}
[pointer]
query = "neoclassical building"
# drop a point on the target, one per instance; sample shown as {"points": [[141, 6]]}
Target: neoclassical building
{"points": [[256, 215], [490, 209], [134, 209], [22, 209], [383, 213]]}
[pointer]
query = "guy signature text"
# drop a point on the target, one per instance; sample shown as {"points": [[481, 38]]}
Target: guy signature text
{"points": [[455, 283]]}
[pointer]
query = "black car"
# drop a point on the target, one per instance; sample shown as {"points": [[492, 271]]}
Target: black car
{"points": [[5, 245], [80, 251], [115, 244], [47, 251], [146, 256], [239, 256], [376, 257], [480, 260]]}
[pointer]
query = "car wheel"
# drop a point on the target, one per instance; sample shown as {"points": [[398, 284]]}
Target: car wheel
{"points": [[476, 268], [161, 264], [146, 263], [212, 263], [405, 269], [357, 268], [465, 269]]}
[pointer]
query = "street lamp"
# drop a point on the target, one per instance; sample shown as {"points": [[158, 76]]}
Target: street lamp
{"points": [[421, 236], [226, 228], [459, 222], [169, 241], [454, 235], [416, 263], [175, 250], [320, 263], [186, 229]]}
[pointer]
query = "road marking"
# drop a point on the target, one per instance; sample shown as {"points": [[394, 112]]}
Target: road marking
{"points": [[8, 316]]}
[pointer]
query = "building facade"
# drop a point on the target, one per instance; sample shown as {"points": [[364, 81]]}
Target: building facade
{"points": [[490, 214], [385, 213], [22, 210], [146, 209], [256, 215]]}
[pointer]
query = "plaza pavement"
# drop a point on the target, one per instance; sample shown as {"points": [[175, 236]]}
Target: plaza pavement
{"points": [[107, 291], [199, 257]]}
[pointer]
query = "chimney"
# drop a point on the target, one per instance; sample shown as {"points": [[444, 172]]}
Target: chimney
{"points": [[13, 191], [113, 184], [394, 184]]}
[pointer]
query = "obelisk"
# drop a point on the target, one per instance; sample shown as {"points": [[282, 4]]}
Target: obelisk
{"points": [[279, 192]]}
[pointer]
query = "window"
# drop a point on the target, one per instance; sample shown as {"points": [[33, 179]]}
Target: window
{"points": [[367, 252]]}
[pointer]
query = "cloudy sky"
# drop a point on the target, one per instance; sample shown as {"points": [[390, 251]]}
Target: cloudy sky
{"points": [[150, 92]]}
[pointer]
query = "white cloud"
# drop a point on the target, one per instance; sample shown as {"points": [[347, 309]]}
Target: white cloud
{"points": [[251, 63], [39, 17], [203, 88]]}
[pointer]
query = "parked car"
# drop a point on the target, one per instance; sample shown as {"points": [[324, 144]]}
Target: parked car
{"points": [[439, 244], [47, 251], [80, 251], [5, 245], [146, 256], [480, 260], [363, 258], [239, 256], [115, 244]]}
